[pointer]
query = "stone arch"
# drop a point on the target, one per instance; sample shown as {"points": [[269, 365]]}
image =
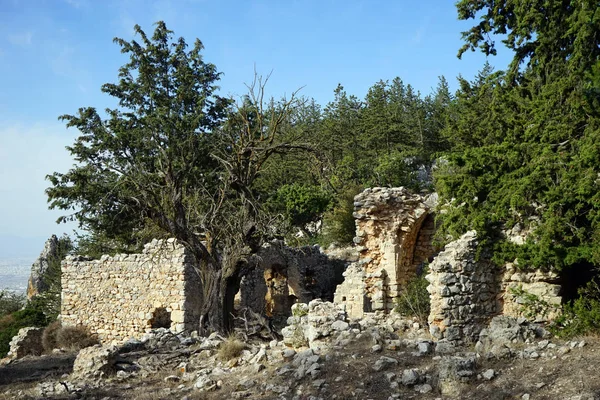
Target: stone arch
{"points": [[391, 226]]}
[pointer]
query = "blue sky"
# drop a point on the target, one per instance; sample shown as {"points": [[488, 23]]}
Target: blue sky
{"points": [[55, 55]]}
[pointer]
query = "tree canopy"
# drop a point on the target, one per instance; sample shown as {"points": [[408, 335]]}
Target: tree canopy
{"points": [[533, 160]]}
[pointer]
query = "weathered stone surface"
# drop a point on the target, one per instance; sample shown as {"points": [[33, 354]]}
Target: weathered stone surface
{"points": [[123, 296], [504, 333], [455, 372], [463, 291], [394, 228], [27, 342], [544, 285], [37, 284], [384, 363], [95, 362], [281, 276], [312, 323]]}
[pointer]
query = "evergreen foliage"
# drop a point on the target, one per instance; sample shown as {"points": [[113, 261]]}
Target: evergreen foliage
{"points": [[534, 159]]}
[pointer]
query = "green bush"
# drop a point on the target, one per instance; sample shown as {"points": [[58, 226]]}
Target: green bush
{"points": [[301, 204], [414, 299], [11, 323], [338, 224], [581, 316]]}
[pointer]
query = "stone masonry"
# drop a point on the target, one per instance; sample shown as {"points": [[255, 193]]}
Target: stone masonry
{"points": [[392, 244], [394, 231], [463, 291], [543, 285], [281, 276], [123, 296]]}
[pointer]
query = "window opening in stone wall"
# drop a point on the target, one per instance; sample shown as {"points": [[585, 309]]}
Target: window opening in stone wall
{"points": [[161, 318], [367, 306], [276, 299]]}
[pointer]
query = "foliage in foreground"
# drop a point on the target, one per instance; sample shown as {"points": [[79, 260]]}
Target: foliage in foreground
{"points": [[582, 315], [414, 300], [11, 323]]}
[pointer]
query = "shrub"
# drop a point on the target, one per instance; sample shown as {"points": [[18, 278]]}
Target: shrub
{"points": [[230, 348], [75, 338], [414, 299], [11, 324], [49, 337], [338, 224], [581, 316]]}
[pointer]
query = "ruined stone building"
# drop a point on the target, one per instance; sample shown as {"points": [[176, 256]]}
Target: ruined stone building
{"points": [[394, 237], [122, 296], [282, 276], [125, 295]]}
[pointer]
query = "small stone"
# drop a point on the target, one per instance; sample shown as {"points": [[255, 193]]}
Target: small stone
{"points": [[390, 376], [581, 344], [542, 344], [410, 377], [424, 348], [489, 374], [376, 349], [384, 363], [246, 383], [525, 396], [340, 325], [288, 354], [425, 388], [171, 378]]}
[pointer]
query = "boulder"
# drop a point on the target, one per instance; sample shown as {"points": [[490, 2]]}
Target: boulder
{"points": [[96, 362]]}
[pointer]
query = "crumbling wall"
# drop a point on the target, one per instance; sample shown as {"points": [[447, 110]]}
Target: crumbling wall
{"points": [[123, 296], [463, 290], [280, 276], [518, 286], [390, 245]]}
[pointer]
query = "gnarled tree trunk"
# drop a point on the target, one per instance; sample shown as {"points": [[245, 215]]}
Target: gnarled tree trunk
{"points": [[219, 287]]}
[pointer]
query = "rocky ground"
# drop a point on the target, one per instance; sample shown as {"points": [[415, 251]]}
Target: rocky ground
{"points": [[322, 355]]}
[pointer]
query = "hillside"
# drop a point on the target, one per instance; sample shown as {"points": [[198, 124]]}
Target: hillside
{"points": [[370, 358]]}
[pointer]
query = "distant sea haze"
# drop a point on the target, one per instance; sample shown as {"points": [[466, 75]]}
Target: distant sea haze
{"points": [[14, 273]]}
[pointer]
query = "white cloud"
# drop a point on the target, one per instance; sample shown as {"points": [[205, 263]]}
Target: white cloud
{"points": [[27, 154], [21, 39]]}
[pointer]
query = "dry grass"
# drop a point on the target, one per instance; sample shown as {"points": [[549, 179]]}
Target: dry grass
{"points": [[75, 338], [230, 348], [49, 337]]}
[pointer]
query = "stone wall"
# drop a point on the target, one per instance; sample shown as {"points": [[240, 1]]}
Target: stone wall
{"points": [[516, 285], [391, 245], [123, 296], [280, 276], [463, 290]]}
